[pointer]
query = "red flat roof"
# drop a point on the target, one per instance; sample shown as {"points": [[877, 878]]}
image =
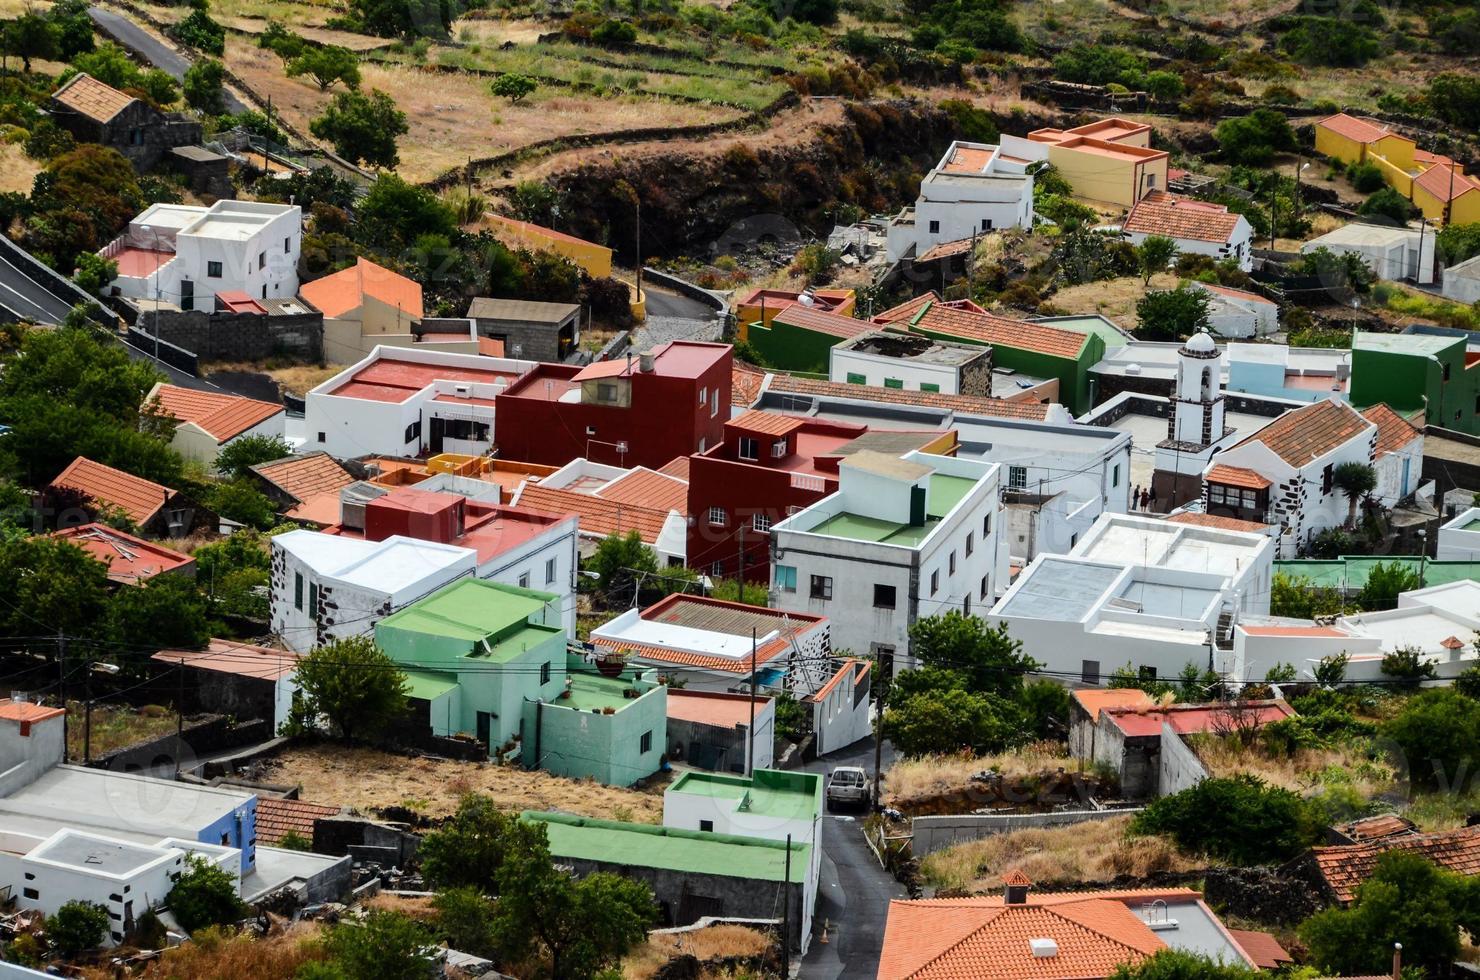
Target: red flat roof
{"points": [[130, 559], [506, 529], [1193, 718], [712, 707], [675, 359], [140, 262], [390, 379]]}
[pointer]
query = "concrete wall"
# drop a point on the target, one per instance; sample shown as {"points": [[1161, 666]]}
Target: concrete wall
{"points": [[239, 336], [587, 744], [843, 715], [530, 340], [936, 833], [724, 749], [24, 759], [1179, 767]]}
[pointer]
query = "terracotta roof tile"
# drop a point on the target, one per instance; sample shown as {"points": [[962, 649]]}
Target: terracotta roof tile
{"points": [[27, 711], [946, 249], [89, 97], [1446, 183], [1346, 866], [1237, 476], [130, 559], [1393, 431], [232, 657], [1222, 523], [655, 654], [966, 404], [678, 467], [1243, 295], [1095, 699], [305, 477], [1361, 130], [1160, 213], [907, 310], [596, 516], [221, 416], [858, 668], [1382, 825], [1262, 948], [277, 817], [964, 323], [136, 497], [820, 321], [746, 383], [968, 160], [338, 294], [648, 488], [1310, 431], [766, 423]]}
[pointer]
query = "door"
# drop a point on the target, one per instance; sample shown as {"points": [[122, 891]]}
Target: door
{"points": [[187, 294], [439, 428], [485, 727]]}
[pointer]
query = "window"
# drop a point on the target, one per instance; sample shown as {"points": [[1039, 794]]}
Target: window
{"points": [[1147, 673], [287, 244], [930, 386], [261, 261], [545, 672], [1089, 671], [704, 396], [934, 227], [645, 744], [952, 563], [524, 581], [707, 826], [31, 893], [986, 526], [750, 448], [225, 840], [716, 569], [1115, 476], [714, 403], [884, 597], [323, 438], [187, 294], [717, 516], [702, 443], [1017, 478], [822, 586], [606, 391], [1328, 478], [298, 591], [264, 290], [854, 378], [786, 578], [893, 383], [465, 429], [549, 571], [313, 599], [760, 522], [413, 432], [935, 581], [970, 543], [986, 224], [986, 587], [213, 270], [1150, 181], [1446, 372]]}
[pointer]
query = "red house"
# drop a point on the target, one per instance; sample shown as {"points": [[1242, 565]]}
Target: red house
{"points": [[635, 411], [768, 467]]}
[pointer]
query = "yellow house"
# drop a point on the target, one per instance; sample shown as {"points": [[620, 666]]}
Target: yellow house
{"points": [[761, 305], [1109, 161], [1448, 195], [1436, 185], [595, 259], [1352, 140], [364, 305]]}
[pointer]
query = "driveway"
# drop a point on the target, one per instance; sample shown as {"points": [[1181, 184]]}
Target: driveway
{"points": [[854, 892], [150, 48]]}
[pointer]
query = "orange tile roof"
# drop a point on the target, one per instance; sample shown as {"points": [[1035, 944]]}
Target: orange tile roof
{"points": [[1239, 294], [305, 477], [1327, 632], [276, 818], [766, 423], [712, 707], [596, 516], [221, 416], [685, 658], [1382, 825], [1361, 130], [906, 310], [1016, 877], [1237, 476], [968, 160], [1222, 523], [130, 559], [89, 97], [946, 249], [967, 404], [1393, 430], [136, 497], [998, 331], [1346, 866], [1262, 948], [1309, 432], [746, 383], [231, 657], [337, 294], [1160, 213], [1093, 699], [820, 321], [859, 668], [678, 467], [648, 488], [1439, 182], [27, 711]]}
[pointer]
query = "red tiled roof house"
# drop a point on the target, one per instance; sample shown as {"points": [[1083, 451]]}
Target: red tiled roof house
{"points": [[1198, 227], [152, 508], [206, 421]]}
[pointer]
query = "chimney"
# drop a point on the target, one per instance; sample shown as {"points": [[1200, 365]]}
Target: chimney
{"points": [[1016, 885], [1397, 961], [646, 362]]}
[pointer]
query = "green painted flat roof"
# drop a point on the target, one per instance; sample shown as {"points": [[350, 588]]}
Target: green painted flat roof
{"points": [[1087, 325], [945, 493], [770, 792], [648, 846], [1405, 343], [589, 691], [429, 685], [1351, 573], [473, 610]]}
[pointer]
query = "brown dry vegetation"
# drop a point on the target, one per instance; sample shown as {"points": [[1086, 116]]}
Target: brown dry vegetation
{"points": [[1115, 299], [714, 943], [367, 778], [1086, 852], [17, 171], [115, 727], [1346, 766], [212, 953], [932, 775]]}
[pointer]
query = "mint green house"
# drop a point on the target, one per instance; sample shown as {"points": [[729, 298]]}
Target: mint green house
{"points": [[476, 651], [611, 729]]}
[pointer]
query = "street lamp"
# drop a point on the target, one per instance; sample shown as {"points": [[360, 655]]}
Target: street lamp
{"points": [[154, 236], [1302, 168]]}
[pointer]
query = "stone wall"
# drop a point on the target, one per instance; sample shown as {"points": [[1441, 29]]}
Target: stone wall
{"points": [[935, 833], [240, 336]]}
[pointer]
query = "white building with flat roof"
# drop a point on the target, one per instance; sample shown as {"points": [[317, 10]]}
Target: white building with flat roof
{"points": [[973, 190], [1459, 537], [1390, 251], [901, 539], [910, 362], [182, 255]]}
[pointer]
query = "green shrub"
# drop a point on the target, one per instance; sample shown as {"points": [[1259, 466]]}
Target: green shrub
{"points": [[1238, 819], [204, 895], [1365, 176], [77, 926]]}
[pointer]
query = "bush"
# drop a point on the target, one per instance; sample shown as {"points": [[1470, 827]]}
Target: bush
{"points": [[1388, 203], [204, 895], [513, 87], [1366, 177], [1455, 99], [464, 918], [1238, 819], [94, 272], [1329, 42], [1171, 314], [386, 945], [199, 31], [203, 86], [1253, 140], [1438, 732], [363, 128], [973, 123], [77, 927], [614, 32], [1100, 64], [1165, 85]]}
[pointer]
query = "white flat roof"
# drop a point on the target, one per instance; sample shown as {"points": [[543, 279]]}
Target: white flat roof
{"points": [[687, 639], [1418, 626], [1132, 540], [115, 801], [384, 566], [1360, 234]]}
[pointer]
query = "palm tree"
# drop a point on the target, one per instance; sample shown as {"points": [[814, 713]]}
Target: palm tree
{"points": [[1356, 480]]}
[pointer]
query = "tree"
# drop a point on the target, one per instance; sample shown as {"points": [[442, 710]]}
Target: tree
{"points": [[239, 500], [1468, 680], [204, 895], [204, 86], [74, 28], [363, 128], [1297, 597], [621, 562], [732, 590], [94, 272], [1100, 64], [385, 945], [31, 36], [165, 612], [351, 682], [1407, 665], [1385, 582], [1356, 480], [1407, 900], [950, 720], [1178, 964], [469, 849], [465, 920], [1388, 203], [199, 31], [1166, 85], [326, 65], [514, 87], [1438, 732], [1171, 314], [55, 586], [1331, 671], [1154, 254], [1239, 819], [1253, 140], [1455, 98], [403, 18], [109, 64], [395, 214], [988, 658], [238, 456], [1336, 270], [1328, 41], [77, 927], [160, 87]]}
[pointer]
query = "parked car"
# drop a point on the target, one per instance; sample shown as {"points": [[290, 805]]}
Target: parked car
{"points": [[847, 786]]}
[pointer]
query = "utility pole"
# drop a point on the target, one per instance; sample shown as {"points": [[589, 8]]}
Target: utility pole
{"points": [[637, 202], [179, 713], [879, 688], [1273, 220], [786, 914], [87, 716], [62, 685], [750, 752], [740, 564]]}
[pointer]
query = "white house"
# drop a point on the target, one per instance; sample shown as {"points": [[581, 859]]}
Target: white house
{"points": [[708, 644], [1459, 537], [1238, 312], [1198, 227], [406, 402], [971, 191], [1137, 590], [608, 500], [842, 708], [182, 255], [901, 538], [326, 586], [885, 359], [1462, 281], [1391, 252], [1284, 474]]}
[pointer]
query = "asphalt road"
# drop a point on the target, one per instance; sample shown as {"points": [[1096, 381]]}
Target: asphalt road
{"points": [[854, 892], [150, 48], [26, 298], [661, 302]]}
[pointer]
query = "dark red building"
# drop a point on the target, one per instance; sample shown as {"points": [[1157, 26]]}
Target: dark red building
{"points": [[768, 467], [643, 410]]}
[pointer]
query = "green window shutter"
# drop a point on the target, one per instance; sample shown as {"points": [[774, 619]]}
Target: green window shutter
{"points": [[856, 379], [927, 386], [893, 383], [313, 599]]}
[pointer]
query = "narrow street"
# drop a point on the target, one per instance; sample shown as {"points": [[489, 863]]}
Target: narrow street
{"points": [[854, 892]]}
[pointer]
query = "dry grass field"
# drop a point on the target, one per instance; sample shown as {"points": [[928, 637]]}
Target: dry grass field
{"points": [[714, 943], [932, 775]]}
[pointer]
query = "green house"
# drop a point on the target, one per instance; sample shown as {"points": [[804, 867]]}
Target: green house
{"points": [[611, 729], [1418, 371], [475, 652], [801, 338]]}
